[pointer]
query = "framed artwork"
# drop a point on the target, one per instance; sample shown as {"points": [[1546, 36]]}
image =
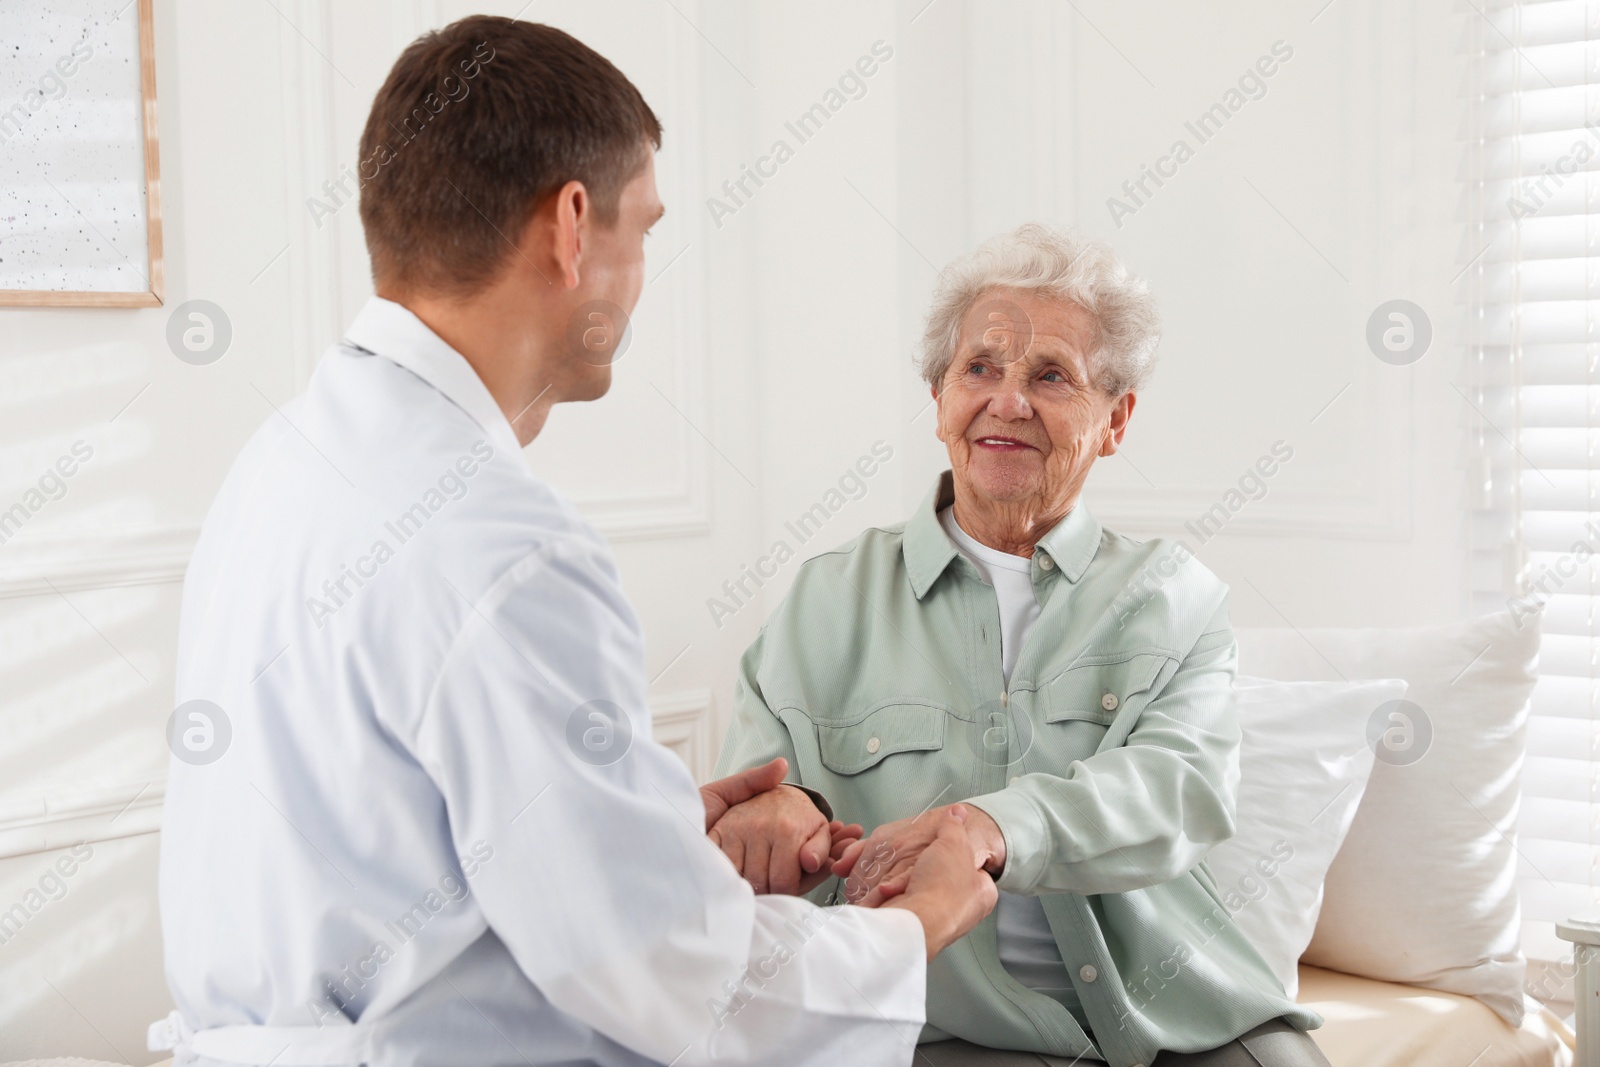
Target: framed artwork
{"points": [[80, 177]]}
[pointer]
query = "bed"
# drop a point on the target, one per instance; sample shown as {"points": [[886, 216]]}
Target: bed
{"points": [[1367, 1023]]}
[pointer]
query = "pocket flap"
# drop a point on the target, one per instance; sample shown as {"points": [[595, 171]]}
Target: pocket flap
{"points": [[1085, 690], [882, 732]]}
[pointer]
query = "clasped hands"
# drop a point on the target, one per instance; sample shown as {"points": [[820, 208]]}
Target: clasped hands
{"points": [[940, 865]]}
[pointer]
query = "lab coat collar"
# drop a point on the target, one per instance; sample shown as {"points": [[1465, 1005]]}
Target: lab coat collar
{"points": [[1071, 544], [393, 331]]}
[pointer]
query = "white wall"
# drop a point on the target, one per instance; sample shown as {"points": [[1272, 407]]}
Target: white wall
{"points": [[1356, 146], [773, 350], [1340, 188]]}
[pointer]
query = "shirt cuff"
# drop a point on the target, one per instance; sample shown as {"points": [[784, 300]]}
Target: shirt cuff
{"points": [[1027, 843], [816, 798]]}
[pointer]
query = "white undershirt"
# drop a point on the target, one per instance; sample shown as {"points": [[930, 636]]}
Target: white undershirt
{"points": [[1028, 949]]}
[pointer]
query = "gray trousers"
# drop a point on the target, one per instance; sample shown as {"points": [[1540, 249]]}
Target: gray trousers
{"points": [[1274, 1043]]}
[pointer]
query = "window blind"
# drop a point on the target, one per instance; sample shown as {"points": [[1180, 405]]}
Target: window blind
{"points": [[1534, 374]]}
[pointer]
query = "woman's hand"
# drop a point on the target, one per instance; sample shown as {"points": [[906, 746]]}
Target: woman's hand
{"points": [[778, 840], [947, 888], [879, 868]]}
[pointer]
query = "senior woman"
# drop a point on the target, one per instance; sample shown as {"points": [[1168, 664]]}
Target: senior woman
{"points": [[1069, 687]]}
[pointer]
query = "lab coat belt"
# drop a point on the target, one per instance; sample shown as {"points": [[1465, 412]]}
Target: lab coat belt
{"points": [[335, 1045]]}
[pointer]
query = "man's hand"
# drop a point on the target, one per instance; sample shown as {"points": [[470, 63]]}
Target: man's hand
{"points": [[773, 833], [880, 867], [947, 888]]}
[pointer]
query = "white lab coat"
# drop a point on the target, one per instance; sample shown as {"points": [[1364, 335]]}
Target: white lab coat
{"points": [[405, 630]]}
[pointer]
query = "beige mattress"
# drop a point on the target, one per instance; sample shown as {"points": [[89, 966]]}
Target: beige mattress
{"points": [[1367, 1023]]}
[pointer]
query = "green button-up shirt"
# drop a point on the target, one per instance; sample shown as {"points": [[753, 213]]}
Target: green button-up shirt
{"points": [[1110, 763]]}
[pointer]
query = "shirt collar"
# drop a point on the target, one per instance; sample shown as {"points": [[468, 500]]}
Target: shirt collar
{"points": [[928, 550], [1074, 541], [392, 331]]}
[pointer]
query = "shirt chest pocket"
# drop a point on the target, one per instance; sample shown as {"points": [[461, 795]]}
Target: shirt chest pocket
{"points": [[882, 732], [1099, 689]]}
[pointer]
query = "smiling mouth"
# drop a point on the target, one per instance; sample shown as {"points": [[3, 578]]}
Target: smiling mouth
{"points": [[1003, 444]]}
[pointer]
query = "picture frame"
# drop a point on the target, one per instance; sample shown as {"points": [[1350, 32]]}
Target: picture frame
{"points": [[38, 221]]}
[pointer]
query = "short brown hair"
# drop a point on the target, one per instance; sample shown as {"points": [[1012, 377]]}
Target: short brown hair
{"points": [[475, 126]]}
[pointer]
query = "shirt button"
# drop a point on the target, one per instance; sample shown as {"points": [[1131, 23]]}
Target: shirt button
{"points": [[1014, 778], [1088, 973], [873, 744], [1109, 702], [1046, 563]]}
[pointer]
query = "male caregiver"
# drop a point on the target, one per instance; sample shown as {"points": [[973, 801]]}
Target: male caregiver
{"points": [[414, 812]]}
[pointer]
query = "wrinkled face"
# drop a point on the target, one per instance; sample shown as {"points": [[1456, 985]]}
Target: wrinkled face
{"points": [[1018, 411]]}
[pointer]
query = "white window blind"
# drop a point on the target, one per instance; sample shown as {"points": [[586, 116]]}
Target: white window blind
{"points": [[1535, 374]]}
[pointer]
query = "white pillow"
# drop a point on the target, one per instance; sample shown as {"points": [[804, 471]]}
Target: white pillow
{"points": [[1303, 766], [1424, 889]]}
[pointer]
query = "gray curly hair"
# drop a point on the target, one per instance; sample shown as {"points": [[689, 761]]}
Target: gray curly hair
{"points": [[1038, 259]]}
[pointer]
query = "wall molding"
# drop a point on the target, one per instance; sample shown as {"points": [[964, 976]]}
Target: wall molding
{"points": [[57, 818], [1381, 512], [1377, 466], [642, 518], [311, 157], [682, 722], [78, 561], [63, 817], [682, 509], [1374, 504], [317, 318]]}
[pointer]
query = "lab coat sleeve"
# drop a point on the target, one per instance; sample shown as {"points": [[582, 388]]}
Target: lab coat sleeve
{"points": [[1140, 814], [602, 884]]}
